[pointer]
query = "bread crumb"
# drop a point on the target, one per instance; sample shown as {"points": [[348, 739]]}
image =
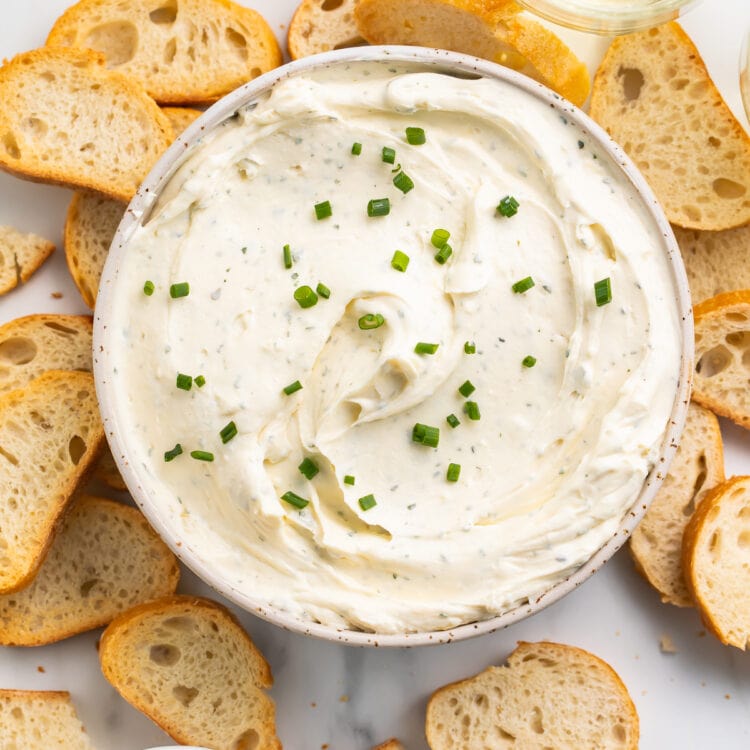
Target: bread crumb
{"points": [[727, 696], [313, 705], [41, 669], [701, 634], [666, 644], [344, 699], [56, 295]]}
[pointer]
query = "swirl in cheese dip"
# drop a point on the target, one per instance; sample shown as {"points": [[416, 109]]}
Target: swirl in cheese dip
{"points": [[563, 443]]}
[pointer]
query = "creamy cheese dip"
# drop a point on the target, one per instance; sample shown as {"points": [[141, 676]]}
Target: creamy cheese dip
{"points": [[561, 449]]}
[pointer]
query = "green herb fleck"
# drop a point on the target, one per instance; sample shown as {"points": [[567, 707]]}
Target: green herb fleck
{"points": [[425, 435], [416, 136], [148, 288], [400, 261], [228, 432], [323, 291], [603, 292], [305, 296], [442, 255], [452, 420], [200, 381], [288, 261], [523, 285], [440, 237], [470, 347], [453, 473], [528, 361], [184, 382], [472, 410], [424, 348], [294, 499], [466, 389], [367, 502], [171, 455], [202, 456], [389, 155], [356, 149], [349, 479], [308, 468], [179, 290], [403, 182], [508, 206], [323, 210], [370, 321], [293, 388], [379, 207]]}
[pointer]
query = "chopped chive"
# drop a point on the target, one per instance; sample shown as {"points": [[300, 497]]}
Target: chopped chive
{"points": [[528, 361], [323, 210], [426, 435], [389, 155], [453, 420], [148, 288], [379, 207], [397, 168], [523, 285], [440, 237], [293, 388], [367, 502], [200, 381], [184, 382], [294, 499], [288, 262], [305, 296], [349, 479], [508, 206], [453, 473], [415, 136], [370, 321], [472, 410], [202, 456], [442, 255], [470, 347], [171, 455], [228, 432], [466, 389], [403, 182], [323, 291], [308, 468], [179, 290], [603, 292], [400, 261], [423, 348], [356, 149]]}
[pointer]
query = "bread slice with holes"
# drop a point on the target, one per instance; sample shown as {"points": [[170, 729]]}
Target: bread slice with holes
{"points": [[321, 26], [180, 52], [40, 720], [722, 355], [186, 661], [548, 695], [68, 120], [90, 227], [50, 436], [20, 256], [715, 262], [653, 95], [34, 344], [698, 467], [104, 560], [496, 30], [716, 559]]}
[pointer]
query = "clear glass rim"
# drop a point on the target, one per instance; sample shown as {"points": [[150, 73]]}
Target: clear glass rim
{"points": [[599, 18]]}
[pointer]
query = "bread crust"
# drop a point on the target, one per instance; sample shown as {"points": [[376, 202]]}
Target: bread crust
{"points": [[693, 537]]}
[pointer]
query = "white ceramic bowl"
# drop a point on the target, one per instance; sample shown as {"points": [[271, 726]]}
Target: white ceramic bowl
{"points": [[460, 65]]}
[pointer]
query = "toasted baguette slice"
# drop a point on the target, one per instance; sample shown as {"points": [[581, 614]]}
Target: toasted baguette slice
{"points": [[654, 96], [40, 720], [549, 695], [184, 661], [50, 435], [66, 119], [191, 51], [716, 559], [20, 256], [715, 262], [92, 221], [392, 744], [35, 344], [104, 560], [722, 355], [90, 227], [496, 30], [322, 25], [656, 544], [105, 470], [181, 117]]}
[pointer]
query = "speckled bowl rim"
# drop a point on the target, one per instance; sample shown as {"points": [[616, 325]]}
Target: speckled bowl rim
{"points": [[141, 204]]}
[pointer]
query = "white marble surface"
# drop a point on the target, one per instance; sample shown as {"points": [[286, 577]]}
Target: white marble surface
{"points": [[344, 698]]}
